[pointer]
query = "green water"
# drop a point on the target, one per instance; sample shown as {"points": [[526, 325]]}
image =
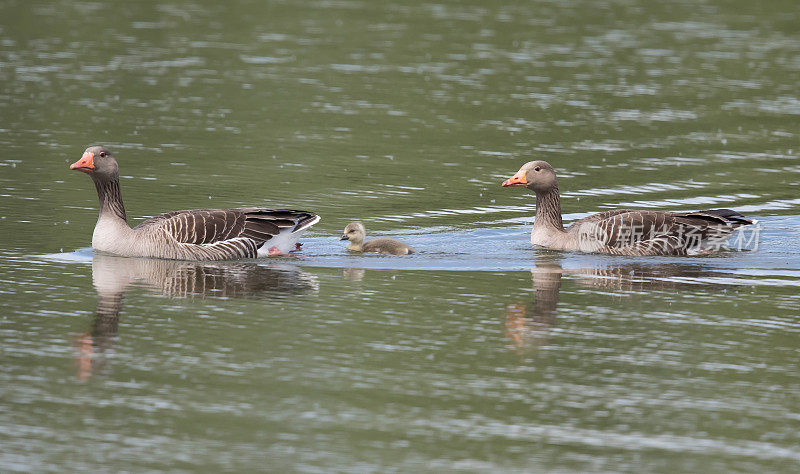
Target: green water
{"points": [[478, 353]]}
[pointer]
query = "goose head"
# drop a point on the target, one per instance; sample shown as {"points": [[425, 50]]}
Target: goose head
{"points": [[97, 162], [538, 176], [354, 232]]}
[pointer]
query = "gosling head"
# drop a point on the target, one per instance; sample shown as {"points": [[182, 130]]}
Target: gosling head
{"points": [[538, 176], [354, 232]]}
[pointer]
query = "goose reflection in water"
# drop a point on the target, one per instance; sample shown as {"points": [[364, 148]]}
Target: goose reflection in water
{"points": [[113, 276], [528, 323]]}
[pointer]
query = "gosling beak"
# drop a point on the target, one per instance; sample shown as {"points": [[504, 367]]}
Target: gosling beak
{"points": [[516, 180], [85, 164], [344, 237]]}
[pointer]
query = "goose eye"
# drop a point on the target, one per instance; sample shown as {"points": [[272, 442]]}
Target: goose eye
{"points": [[537, 169], [102, 154]]}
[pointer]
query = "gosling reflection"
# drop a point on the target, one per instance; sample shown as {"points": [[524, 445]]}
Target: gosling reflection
{"points": [[528, 323], [114, 276], [353, 274]]}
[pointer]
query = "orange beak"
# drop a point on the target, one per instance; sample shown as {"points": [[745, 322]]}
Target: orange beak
{"points": [[85, 164], [516, 180]]}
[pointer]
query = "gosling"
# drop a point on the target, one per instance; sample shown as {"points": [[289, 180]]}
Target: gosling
{"points": [[355, 233]]}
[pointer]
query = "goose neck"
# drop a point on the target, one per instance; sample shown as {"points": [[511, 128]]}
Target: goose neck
{"points": [[110, 197], [548, 210]]}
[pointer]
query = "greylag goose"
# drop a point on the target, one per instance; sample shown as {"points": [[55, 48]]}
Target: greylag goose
{"points": [[356, 233], [621, 232], [200, 234]]}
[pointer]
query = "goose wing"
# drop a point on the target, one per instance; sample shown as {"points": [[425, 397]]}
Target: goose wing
{"points": [[642, 232], [209, 226]]}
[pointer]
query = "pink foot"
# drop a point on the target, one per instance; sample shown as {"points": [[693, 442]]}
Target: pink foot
{"points": [[273, 251]]}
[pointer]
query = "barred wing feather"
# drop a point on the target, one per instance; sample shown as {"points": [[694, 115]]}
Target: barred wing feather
{"points": [[642, 232], [226, 233]]}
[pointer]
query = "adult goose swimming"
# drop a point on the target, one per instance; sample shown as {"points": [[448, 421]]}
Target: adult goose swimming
{"points": [[200, 234], [622, 232]]}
